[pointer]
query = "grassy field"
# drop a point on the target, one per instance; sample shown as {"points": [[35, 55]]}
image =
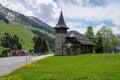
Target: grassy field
{"points": [[82, 67]]}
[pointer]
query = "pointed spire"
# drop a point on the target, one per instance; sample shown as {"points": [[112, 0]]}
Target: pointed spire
{"points": [[61, 22]]}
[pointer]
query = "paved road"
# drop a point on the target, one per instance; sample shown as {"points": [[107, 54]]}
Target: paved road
{"points": [[9, 64]]}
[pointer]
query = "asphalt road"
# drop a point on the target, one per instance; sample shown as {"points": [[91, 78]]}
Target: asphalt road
{"points": [[9, 64]]}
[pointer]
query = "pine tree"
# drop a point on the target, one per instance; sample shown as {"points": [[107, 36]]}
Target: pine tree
{"points": [[99, 43], [45, 46], [40, 45], [90, 34], [11, 42]]}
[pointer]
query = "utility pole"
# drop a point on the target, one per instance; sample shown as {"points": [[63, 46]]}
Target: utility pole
{"points": [[26, 54]]}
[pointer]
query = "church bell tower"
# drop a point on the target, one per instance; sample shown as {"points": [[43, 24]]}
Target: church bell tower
{"points": [[60, 35]]}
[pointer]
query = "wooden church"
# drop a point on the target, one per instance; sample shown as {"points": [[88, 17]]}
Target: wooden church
{"points": [[72, 44]]}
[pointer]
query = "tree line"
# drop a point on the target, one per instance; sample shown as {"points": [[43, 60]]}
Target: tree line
{"points": [[49, 39], [13, 43], [40, 44], [9, 41], [105, 40]]}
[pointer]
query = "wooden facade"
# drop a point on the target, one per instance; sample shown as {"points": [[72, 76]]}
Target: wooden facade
{"points": [[77, 45]]}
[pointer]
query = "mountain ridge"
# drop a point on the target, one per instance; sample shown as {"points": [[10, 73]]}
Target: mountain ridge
{"points": [[26, 20]]}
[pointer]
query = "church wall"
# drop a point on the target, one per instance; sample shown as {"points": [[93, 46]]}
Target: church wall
{"points": [[59, 40]]}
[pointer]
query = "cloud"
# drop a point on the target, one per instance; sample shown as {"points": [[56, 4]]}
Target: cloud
{"points": [[98, 27], [78, 26], [46, 10], [95, 11], [17, 5], [115, 29]]}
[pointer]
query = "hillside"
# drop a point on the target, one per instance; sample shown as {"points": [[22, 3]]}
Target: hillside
{"points": [[25, 27], [82, 67], [23, 32]]}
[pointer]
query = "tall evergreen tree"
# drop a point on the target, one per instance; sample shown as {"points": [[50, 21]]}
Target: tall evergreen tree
{"points": [[99, 43], [41, 45], [11, 42], [90, 34], [38, 44], [45, 45]]}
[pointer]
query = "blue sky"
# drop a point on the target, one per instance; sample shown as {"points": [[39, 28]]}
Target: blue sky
{"points": [[78, 14]]}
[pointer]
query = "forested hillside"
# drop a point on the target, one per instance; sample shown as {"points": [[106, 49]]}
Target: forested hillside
{"points": [[25, 28]]}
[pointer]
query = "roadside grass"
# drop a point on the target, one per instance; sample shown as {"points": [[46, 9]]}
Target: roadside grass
{"points": [[81, 67]]}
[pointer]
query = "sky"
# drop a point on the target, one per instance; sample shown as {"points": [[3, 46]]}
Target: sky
{"points": [[78, 14]]}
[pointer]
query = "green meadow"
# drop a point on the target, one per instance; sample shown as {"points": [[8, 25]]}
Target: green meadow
{"points": [[81, 67]]}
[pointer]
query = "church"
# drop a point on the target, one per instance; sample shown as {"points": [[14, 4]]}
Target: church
{"points": [[70, 44]]}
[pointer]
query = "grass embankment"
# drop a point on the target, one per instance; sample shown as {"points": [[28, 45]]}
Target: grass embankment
{"points": [[82, 67]]}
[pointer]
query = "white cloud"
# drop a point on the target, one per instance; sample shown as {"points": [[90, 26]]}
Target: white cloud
{"points": [[84, 10], [89, 12], [98, 27], [46, 10], [79, 29], [115, 29], [78, 26], [16, 5]]}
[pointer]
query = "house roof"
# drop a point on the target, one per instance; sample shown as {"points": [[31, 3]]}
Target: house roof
{"points": [[61, 23], [81, 38]]}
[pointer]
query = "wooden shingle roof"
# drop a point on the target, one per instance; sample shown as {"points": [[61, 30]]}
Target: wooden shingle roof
{"points": [[82, 39], [71, 41]]}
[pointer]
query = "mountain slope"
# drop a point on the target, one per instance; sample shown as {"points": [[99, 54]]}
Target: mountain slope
{"points": [[26, 20], [21, 31], [24, 27]]}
